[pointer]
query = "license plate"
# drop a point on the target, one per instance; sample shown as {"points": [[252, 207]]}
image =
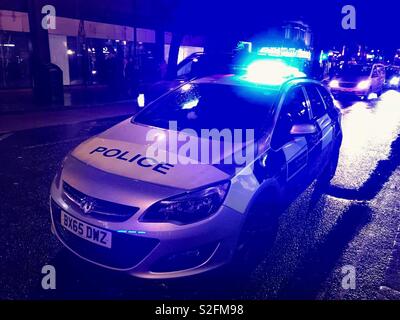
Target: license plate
{"points": [[86, 231]]}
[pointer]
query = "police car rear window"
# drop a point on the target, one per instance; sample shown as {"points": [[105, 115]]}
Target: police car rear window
{"points": [[212, 106]]}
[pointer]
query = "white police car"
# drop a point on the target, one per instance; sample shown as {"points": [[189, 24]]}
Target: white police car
{"points": [[175, 210]]}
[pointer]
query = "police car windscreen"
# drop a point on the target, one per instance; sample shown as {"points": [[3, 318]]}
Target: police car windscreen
{"points": [[212, 106]]}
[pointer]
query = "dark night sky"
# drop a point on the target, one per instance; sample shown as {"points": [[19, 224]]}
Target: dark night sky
{"points": [[378, 21]]}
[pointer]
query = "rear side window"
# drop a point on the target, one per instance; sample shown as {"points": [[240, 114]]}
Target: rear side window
{"points": [[327, 98], [317, 104], [330, 104]]}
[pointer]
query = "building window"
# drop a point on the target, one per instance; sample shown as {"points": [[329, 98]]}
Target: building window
{"points": [[15, 71], [100, 61]]}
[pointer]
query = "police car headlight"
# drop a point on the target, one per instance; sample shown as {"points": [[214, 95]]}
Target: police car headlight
{"points": [[189, 207]]}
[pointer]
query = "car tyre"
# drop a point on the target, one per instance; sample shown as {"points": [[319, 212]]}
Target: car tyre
{"points": [[258, 233], [324, 180]]}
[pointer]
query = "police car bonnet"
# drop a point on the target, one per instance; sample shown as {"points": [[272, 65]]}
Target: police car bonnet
{"points": [[122, 154]]}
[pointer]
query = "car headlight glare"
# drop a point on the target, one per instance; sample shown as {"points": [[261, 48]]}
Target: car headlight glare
{"points": [[141, 100], [395, 81], [364, 84], [334, 84], [189, 207]]}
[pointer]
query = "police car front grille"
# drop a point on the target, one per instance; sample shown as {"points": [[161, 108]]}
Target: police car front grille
{"points": [[126, 251], [101, 209]]}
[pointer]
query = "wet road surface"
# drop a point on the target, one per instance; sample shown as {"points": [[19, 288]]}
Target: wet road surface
{"points": [[354, 223]]}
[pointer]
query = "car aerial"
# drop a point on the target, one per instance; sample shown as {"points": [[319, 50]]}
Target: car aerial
{"points": [[198, 64], [360, 80], [118, 205], [393, 77]]}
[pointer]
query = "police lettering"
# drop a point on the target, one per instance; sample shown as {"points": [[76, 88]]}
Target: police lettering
{"points": [[140, 160]]}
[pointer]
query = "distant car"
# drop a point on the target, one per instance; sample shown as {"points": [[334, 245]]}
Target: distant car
{"points": [[196, 65], [393, 77], [113, 205], [359, 79]]}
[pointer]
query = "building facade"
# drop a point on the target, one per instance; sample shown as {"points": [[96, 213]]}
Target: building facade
{"points": [[89, 48]]}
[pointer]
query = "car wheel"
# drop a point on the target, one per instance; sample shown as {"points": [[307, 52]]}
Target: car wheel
{"points": [[258, 233], [324, 180]]}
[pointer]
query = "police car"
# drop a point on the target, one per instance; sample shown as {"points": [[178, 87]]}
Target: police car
{"points": [[118, 205]]}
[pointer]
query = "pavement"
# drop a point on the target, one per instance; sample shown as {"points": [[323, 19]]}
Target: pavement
{"points": [[356, 222], [81, 103], [391, 286], [10, 123], [77, 96]]}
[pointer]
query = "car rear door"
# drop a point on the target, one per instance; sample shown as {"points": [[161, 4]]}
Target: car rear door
{"points": [[323, 147]]}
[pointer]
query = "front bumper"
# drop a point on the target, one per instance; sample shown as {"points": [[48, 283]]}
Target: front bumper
{"points": [[349, 91], [161, 250]]}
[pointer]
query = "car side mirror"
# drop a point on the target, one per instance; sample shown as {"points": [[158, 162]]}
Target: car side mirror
{"points": [[303, 129]]}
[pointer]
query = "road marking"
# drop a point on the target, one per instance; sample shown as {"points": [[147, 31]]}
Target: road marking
{"points": [[5, 136]]}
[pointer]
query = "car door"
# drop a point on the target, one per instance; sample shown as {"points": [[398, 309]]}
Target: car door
{"points": [[321, 149], [291, 149]]}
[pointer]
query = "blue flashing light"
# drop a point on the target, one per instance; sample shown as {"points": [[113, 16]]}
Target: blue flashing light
{"points": [[323, 56], [245, 45], [271, 72], [285, 52], [131, 231]]}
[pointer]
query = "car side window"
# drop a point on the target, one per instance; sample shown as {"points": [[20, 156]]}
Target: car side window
{"points": [[295, 105], [329, 103], [375, 72], [294, 110], [185, 70], [317, 104]]}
